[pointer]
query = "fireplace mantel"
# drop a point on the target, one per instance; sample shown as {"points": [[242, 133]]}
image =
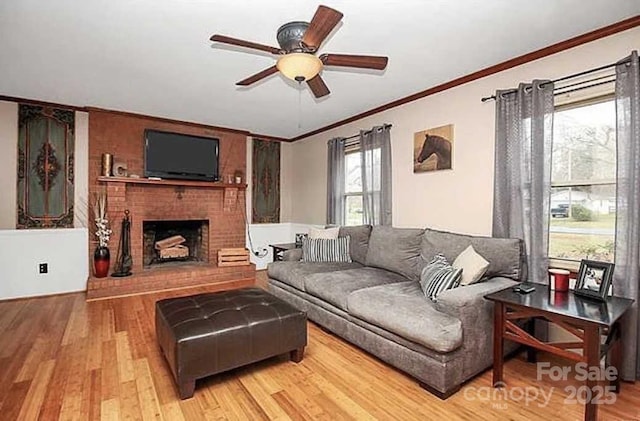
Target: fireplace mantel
{"points": [[163, 182]]}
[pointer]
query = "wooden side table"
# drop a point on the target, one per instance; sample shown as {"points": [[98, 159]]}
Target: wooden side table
{"points": [[587, 319], [279, 249]]}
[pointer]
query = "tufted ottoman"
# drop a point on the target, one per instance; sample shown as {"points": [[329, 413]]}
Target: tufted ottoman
{"points": [[210, 333]]}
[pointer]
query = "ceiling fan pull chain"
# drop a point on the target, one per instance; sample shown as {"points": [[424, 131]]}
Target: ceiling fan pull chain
{"points": [[299, 105]]}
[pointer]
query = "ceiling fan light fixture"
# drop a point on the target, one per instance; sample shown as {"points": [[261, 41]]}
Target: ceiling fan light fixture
{"points": [[299, 66]]}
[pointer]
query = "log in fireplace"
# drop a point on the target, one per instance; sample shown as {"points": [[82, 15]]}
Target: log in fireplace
{"points": [[175, 241]]}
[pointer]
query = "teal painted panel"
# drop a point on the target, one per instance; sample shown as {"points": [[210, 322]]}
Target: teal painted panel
{"points": [[266, 182], [45, 167], [37, 134]]}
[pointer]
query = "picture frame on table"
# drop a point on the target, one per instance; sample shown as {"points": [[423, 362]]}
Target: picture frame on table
{"points": [[594, 279], [299, 238]]}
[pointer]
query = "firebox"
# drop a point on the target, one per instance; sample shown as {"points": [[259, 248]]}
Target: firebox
{"points": [[175, 241]]}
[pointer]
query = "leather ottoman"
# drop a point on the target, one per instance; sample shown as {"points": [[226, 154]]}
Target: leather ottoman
{"points": [[205, 334]]}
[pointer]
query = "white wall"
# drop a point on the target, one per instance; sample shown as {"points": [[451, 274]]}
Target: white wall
{"points": [[459, 199], [65, 251], [264, 234]]}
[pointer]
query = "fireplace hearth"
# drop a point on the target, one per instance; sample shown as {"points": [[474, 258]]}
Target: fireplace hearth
{"points": [[193, 235]]}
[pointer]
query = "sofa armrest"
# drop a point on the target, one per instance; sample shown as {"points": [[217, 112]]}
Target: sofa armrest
{"points": [[468, 304], [292, 255]]}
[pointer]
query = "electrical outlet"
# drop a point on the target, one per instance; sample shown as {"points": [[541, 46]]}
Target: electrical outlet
{"points": [[44, 268]]}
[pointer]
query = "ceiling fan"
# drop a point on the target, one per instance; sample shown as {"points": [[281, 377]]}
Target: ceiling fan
{"points": [[299, 42]]}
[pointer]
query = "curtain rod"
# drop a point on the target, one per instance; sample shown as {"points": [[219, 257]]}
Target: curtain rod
{"points": [[366, 132], [562, 91], [586, 72]]}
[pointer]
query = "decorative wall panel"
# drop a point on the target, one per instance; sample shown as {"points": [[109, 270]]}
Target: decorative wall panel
{"points": [[45, 167], [266, 182]]}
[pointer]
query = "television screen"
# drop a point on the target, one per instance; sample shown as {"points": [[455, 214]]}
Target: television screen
{"points": [[173, 155]]}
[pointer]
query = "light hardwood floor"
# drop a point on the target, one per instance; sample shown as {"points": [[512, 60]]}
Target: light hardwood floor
{"points": [[64, 358]]}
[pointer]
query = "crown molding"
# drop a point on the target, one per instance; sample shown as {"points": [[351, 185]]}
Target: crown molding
{"points": [[517, 61]]}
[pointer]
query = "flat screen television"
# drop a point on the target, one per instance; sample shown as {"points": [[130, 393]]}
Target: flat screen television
{"points": [[180, 156]]}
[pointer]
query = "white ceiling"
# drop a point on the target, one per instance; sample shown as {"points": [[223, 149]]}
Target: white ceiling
{"points": [[154, 56]]}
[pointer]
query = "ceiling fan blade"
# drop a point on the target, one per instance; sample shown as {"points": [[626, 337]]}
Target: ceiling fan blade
{"points": [[258, 76], [322, 23], [242, 43], [318, 87], [350, 60]]}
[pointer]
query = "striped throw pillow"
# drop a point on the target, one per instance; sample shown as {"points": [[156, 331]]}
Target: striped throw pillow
{"points": [[439, 276], [326, 250]]}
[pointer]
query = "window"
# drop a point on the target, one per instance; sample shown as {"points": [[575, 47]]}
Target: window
{"points": [[353, 214], [583, 181]]}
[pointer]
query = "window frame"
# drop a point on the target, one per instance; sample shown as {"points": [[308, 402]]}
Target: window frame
{"points": [[559, 262], [351, 149]]}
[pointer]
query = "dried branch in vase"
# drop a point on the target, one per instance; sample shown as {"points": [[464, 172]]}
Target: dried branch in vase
{"points": [[100, 212]]}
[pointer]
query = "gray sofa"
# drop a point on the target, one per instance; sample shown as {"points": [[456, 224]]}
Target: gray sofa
{"points": [[376, 302]]}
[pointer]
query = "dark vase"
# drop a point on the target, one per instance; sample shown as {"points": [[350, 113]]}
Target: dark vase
{"points": [[101, 259]]}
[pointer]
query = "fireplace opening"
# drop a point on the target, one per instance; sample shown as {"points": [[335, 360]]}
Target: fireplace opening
{"points": [[175, 241]]}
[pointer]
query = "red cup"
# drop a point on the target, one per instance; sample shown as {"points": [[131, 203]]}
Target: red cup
{"points": [[559, 279]]}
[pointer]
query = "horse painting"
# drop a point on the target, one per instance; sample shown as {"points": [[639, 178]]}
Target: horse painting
{"points": [[438, 146]]}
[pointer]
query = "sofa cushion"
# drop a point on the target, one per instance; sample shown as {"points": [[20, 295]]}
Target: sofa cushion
{"points": [[335, 287], [294, 273], [326, 233], [402, 309], [359, 243], [472, 264], [439, 276], [504, 254], [326, 250], [396, 249]]}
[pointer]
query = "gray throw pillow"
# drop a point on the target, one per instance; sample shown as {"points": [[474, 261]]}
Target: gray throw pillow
{"points": [[325, 250], [396, 250], [439, 276], [359, 243]]}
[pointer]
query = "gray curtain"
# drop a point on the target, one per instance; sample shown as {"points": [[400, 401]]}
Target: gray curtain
{"points": [[522, 184], [375, 148], [627, 251], [335, 181]]}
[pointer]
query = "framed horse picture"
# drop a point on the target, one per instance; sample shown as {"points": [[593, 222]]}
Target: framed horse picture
{"points": [[432, 149]]}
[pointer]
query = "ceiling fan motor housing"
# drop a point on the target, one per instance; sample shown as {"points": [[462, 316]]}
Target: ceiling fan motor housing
{"points": [[290, 35]]}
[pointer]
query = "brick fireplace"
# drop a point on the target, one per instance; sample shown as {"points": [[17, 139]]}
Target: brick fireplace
{"points": [[211, 214]]}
